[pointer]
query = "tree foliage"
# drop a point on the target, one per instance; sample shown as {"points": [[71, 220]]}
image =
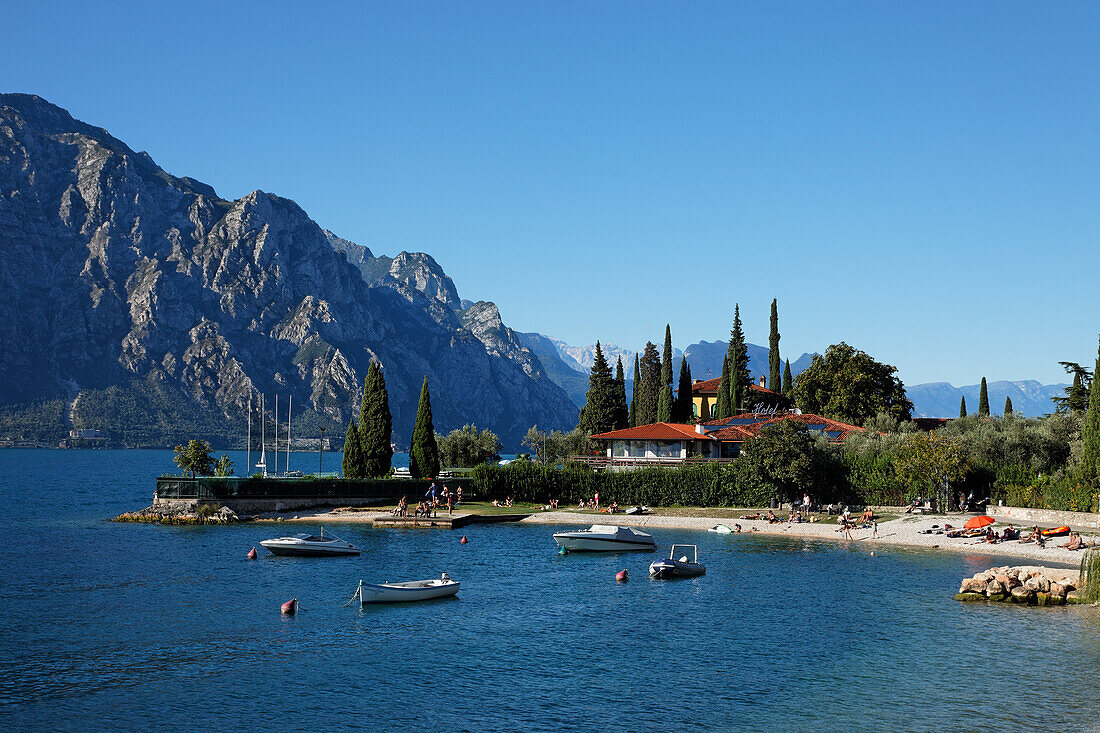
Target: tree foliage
{"points": [[1089, 470], [195, 458], [682, 413], [650, 389], [375, 425], [622, 412], [600, 413], [1008, 406], [788, 382], [1077, 394], [664, 404], [774, 362], [962, 406], [466, 447], [223, 466], [666, 358], [931, 461], [555, 447], [424, 453], [722, 405], [352, 465], [637, 385], [848, 385], [786, 461], [983, 400], [738, 355]]}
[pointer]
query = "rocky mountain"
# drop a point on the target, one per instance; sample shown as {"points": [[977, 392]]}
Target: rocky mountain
{"points": [[941, 399], [705, 359], [150, 297]]}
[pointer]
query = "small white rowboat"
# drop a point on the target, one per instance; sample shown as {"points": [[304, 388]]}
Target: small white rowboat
{"points": [[415, 590]]}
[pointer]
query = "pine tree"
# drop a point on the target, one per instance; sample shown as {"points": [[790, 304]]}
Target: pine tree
{"points": [[774, 362], [622, 412], [788, 382], [1090, 453], [666, 358], [683, 393], [962, 406], [599, 412], [738, 355], [424, 453], [634, 395], [1008, 406], [375, 424], [650, 390], [353, 455], [722, 407], [983, 401]]}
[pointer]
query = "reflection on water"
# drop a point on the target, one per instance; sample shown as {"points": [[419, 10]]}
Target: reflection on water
{"points": [[132, 626]]}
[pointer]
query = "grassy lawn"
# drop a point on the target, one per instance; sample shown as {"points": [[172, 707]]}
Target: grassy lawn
{"points": [[486, 507]]}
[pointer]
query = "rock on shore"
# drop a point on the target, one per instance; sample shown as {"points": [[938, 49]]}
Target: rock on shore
{"points": [[1030, 585], [181, 514]]}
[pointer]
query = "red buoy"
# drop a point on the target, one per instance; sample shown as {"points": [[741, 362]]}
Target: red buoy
{"points": [[464, 540], [622, 576], [251, 554], [290, 607]]}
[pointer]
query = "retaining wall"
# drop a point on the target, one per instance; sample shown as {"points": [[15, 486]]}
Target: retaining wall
{"points": [[1020, 515]]}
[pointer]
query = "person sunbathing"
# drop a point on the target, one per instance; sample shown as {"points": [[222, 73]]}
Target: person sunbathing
{"points": [[1074, 542], [1010, 533], [772, 519], [867, 516], [751, 516]]}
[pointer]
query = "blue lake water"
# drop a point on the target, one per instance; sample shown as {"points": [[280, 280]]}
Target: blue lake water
{"points": [[134, 627]]}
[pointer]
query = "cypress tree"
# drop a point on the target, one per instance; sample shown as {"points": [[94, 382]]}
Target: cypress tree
{"points": [[1078, 395], [722, 406], [1090, 453], [375, 424], [634, 395], [666, 358], [983, 401], [1008, 406], [664, 404], [622, 412], [962, 407], [683, 393], [599, 412], [352, 464], [424, 453], [650, 390], [774, 362], [788, 382], [738, 355]]}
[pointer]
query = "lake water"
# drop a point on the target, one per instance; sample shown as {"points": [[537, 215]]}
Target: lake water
{"points": [[134, 627]]}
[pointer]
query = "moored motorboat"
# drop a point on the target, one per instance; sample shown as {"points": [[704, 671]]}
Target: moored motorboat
{"points": [[643, 509], [308, 545], [678, 567], [414, 590], [605, 538]]}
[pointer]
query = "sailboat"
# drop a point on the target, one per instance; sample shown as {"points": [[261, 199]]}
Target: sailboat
{"points": [[262, 465]]}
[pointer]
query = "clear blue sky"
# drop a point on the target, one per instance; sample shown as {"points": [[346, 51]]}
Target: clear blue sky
{"points": [[917, 179]]}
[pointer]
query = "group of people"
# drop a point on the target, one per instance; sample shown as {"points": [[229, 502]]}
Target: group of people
{"points": [[433, 499]]}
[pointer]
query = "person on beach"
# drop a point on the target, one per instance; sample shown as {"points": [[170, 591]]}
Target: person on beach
{"points": [[458, 498], [431, 492], [737, 529], [805, 503], [450, 503], [847, 531], [1074, 542], [874, 528], [596, 500]]}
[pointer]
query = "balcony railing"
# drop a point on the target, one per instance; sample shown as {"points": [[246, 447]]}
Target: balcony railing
{"points": [[598, 462]]}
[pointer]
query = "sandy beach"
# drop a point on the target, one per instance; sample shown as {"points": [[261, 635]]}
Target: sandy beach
{"points": [[906, 530]]}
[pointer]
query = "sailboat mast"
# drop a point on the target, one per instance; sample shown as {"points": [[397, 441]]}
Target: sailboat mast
{"points": [[289, 408], [276, 433], [248, 441]]}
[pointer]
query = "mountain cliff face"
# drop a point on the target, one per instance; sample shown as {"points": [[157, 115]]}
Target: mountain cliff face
{"points": [[123, 279], [941, 399]]}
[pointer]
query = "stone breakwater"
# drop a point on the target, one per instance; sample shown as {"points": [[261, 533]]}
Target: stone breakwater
{"points": [[1029, 585], [181, 513]]}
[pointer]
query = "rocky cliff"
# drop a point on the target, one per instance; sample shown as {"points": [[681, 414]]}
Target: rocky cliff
{"points": [[124, 280]]}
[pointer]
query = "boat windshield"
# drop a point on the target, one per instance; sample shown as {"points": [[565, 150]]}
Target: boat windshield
{"points": [[310, 538]]}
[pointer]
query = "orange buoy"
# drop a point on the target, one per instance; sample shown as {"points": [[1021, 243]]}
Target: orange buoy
{"points": [[251, 554], [290, 607], [464, 540], [622, 576]]}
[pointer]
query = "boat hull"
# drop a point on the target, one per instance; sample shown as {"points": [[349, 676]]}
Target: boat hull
{"points": [[666, 569], [595, 544], [278, 548], [408, 592]]}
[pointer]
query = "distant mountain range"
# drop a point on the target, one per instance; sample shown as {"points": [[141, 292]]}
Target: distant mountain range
{"points": [[568, 367]]}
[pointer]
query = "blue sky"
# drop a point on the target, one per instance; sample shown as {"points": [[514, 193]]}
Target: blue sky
{"points": [[919, 180]]}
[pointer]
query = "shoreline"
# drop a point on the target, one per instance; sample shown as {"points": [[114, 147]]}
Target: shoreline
{"points": [[902, 531]]}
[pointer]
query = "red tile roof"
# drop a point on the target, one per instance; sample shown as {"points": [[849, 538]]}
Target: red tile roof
{"points": [[740, 433], [710, 386], [655, 431]]}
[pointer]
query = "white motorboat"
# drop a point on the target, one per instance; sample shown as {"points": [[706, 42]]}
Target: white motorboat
{"points": [[721, 529], [310, 545], [678, 567], [605, 538], [637, 510], [415, 590]]}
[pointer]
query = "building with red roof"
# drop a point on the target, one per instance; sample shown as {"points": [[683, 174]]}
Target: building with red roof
{"points": [[675, 443], [704, 394]]}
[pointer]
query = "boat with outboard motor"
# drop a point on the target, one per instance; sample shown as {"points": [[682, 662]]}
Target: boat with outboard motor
{"points": [[605, 538], [414, 590], [678, 567], [309, 545]]}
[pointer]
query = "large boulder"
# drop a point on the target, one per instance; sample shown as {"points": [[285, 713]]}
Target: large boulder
{"points": [[972, 585], [1020, 594], [994, 588]]}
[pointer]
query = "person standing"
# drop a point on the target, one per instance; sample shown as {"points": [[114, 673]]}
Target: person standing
{"points": [[596, 500], [450, 503]]}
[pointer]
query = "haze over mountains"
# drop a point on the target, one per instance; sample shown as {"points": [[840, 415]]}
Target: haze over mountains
{"points": [[155, 310]]}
